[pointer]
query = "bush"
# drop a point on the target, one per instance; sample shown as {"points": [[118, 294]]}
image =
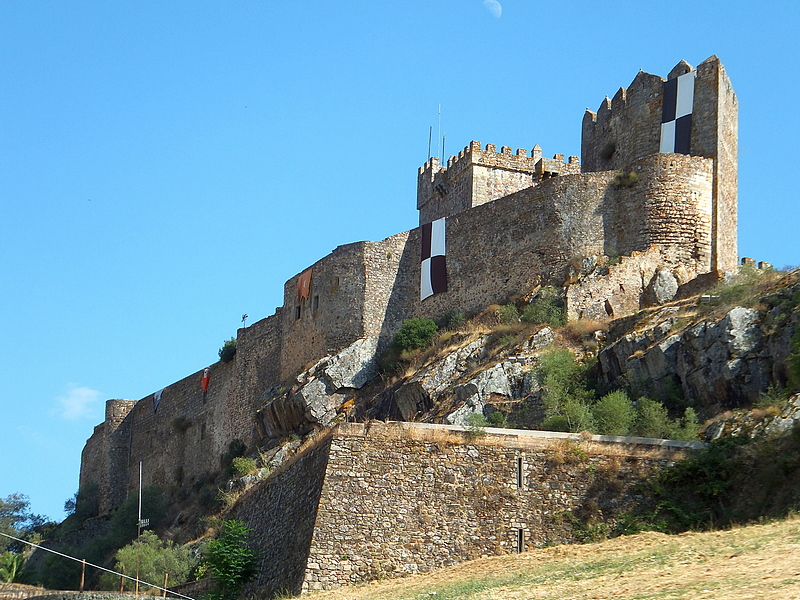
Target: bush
{"points": [[229, 560], [123, 522], [651, 420], [567, 395], [614, 413], [154, 558], [508, 314], [453, 319], [415, 333], [497, 419], [625, 179], [476, 424], [242, 466], [547, 308], [228, 350], [10, 566]]}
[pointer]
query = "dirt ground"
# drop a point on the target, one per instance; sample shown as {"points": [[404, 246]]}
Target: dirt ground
{"points": [[759, 562]]}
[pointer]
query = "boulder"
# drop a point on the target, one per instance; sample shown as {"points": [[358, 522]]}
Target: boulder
{"points": [[662, 287], [354, 366]]}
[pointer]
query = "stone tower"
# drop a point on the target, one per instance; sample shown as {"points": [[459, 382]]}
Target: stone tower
{"points": [[692, 112]]}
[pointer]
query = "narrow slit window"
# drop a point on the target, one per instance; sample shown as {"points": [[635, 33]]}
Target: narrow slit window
{"points": [[297, 313], [519, 472], [316, 303], [520, 540]]}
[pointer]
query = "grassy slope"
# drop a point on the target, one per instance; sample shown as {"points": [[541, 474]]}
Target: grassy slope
{"points": [[758, 561]]}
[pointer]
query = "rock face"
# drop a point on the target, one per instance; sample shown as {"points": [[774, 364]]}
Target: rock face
{"points": [[757, 423], [465, 382], [319, 393], [723, 364]]}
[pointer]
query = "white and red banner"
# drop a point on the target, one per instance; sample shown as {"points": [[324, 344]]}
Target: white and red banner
{"points": [[676, 116], [433, 269]]}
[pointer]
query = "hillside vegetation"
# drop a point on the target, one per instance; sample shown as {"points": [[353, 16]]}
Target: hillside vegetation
{"points": [[758, 561]]}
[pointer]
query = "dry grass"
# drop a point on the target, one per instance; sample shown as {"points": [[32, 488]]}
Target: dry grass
{"points": [[756, 562]]}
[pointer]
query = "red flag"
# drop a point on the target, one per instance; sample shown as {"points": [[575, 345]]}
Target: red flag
{"points": [[304, 285], [204, 380]]}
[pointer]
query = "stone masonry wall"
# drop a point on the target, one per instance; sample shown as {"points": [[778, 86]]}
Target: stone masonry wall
{"points": [[383, 500], [178, 444], [258, 361], [282, 514], [104, 458], [386, 500], [715, 134], [382, 262], [333, 315], [510, 245]]}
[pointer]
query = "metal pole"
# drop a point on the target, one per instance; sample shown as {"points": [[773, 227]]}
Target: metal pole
{"points": [[430, 137], [439, 131], [139, 531]]}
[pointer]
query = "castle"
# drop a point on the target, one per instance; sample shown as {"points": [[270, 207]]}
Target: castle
{"points": [[656, 186]]}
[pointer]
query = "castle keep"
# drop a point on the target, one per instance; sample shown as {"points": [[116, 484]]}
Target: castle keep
{"points": [[655, 187]]}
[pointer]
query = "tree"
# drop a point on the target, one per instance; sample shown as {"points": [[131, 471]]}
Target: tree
{"points": [[16, 519], [154, 558], [614, 413], [566, 396], [229, 560]]}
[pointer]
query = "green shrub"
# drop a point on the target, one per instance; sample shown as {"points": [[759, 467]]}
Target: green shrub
{"points": [[228, 350], [497, 419], [614, 413], [453, 319], [625, 179], [242, 466], [546, 307], [415, 333], [229, 561], [567, 394], [152, 558], [476, 424], [123, 521], [508, 314], [10, 566], [651, 420]]}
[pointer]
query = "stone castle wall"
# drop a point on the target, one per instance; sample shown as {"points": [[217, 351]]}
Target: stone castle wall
{"points": [[628, 127], [332, 316], [395, 499]]}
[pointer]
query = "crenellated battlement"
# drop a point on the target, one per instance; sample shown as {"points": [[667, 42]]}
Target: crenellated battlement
{"points": [[477, 175]]}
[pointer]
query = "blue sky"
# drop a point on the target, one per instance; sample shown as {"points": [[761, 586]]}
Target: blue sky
{"points": [[166, 166]]}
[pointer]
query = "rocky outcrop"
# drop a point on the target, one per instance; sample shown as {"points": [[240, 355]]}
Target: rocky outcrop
{"points": [[772, 422], [464, 382], [721, 363], [319, 393]]}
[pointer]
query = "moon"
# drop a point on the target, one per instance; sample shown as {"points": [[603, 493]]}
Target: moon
{"points": [[493, 6]]}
